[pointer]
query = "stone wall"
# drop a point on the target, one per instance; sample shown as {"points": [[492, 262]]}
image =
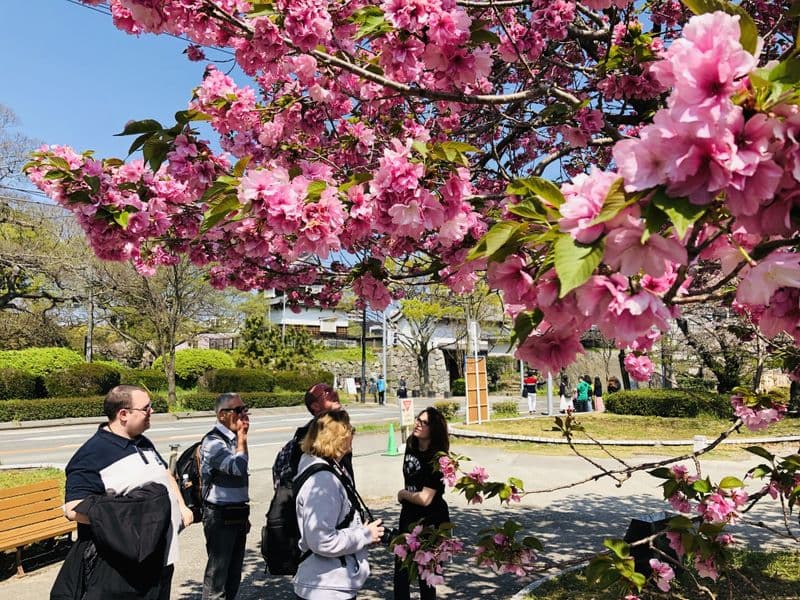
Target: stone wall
{"points": [[401, 363]]}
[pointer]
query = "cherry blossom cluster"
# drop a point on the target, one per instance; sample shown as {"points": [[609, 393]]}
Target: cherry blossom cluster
{"points": [[424, 551], [499, 550]]}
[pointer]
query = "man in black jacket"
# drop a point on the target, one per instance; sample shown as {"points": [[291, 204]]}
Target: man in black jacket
{"points": [[117, 459]]}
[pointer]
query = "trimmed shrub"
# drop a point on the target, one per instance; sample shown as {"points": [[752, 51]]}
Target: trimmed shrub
{"points": [[111, 363], [668, 403], [505, 409], [237, 380], [151, 379], [448, 408], [458, 387], [87, 379], [205, 400], [193, 363], [19, 384], [61, 408], [39, 361], [300, 381]]}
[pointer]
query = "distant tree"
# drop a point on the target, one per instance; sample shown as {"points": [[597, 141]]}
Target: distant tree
{"points": [[265, 345]]}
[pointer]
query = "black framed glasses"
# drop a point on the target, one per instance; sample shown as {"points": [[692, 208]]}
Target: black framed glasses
{"points": [[421, 422], [145, 409], [239, 410]]}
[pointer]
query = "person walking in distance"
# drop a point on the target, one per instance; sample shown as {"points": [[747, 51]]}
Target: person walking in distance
{"points": [[422, 497], [319, 398], [224, 460], [530, 382]]}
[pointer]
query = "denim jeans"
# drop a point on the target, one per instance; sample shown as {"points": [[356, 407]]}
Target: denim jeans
{"points": [[225, 529]]}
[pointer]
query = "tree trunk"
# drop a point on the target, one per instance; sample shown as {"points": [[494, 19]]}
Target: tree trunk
{"points": [[626, 379]]}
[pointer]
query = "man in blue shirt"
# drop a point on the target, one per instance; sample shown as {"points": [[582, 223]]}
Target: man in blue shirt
{"points": [[226, 512]]}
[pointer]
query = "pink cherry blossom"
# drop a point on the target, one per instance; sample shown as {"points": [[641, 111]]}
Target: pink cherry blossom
{"points": [[640, 367], [662, 574]]}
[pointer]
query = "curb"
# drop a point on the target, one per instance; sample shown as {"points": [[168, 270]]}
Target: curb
{"points": [[656, 443], [523, 593]]}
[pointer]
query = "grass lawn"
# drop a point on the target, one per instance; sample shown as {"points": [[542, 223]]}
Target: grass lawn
{"points": [[605, 426], [17, 477], [773, 575]]}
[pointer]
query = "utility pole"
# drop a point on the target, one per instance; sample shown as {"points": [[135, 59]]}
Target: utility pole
{"points": [[363, 354]]}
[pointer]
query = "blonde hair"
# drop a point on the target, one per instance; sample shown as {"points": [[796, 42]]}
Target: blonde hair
{"points": [[327, 436]]}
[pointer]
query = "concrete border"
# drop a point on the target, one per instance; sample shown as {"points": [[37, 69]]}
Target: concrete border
{"points": [[542, 440]]}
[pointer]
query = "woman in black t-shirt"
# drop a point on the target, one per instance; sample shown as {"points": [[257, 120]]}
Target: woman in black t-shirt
{"points": [[422, 498]]}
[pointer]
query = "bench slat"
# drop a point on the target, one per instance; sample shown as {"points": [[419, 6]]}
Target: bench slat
{"points": [[42, 531], [9, 525], [30, 488], [14, 506]]}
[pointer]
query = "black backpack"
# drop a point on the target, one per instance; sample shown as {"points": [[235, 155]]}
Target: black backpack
{"points": [[280, 536], [188, 473]]}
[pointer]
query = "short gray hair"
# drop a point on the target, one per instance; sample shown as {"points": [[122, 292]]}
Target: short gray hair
{"points": [[223, 400]]}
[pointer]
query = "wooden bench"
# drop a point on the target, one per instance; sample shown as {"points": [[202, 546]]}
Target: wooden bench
{"points": [[29, 514]]}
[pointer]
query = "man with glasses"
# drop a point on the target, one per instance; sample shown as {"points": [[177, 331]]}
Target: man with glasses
{"points": [[116, 461], [319, 398], [226, 512]]}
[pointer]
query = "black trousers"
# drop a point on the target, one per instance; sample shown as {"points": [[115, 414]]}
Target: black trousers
{"points": [[402, 586], [225, 529]]}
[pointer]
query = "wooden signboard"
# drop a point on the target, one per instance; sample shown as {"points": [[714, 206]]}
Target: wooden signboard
{"points": [[477, 390]]}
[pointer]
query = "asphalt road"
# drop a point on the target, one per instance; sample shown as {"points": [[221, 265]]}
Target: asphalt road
{"points": [[269, 430]]}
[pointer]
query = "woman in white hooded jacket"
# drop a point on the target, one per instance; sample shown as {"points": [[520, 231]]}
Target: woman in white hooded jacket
{"points": [[337, 566]]}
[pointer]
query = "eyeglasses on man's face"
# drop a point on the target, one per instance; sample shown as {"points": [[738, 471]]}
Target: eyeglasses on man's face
{"points": [[145, 409], [239, 410]]}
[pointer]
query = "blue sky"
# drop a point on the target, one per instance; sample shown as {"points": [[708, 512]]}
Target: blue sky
{"points": [[73, 78]]}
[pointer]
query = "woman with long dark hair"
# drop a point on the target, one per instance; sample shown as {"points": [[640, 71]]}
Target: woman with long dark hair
{"points": [[422, 498]]}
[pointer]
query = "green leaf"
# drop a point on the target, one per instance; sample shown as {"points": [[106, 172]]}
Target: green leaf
{"points": [[525, 323], [527, 210], [679, 523], [145, 126], [729, 482], [618, 547], [155, 152], [140, 141], [536, 186], [454, 152], [682, 213], [759, 472], [702, 486], [483, 36], [241, 165], [121, 218], [749, 32], [575, 262], [495, 239], [662, 473], [184, 117], [216, 213], [421, 148], [60, 163], [614, 202], [355, 179], [599, 567]]}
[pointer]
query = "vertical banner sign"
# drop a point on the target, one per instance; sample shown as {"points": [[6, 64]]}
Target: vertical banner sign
{"points": [[407, 413], [477, 390]]}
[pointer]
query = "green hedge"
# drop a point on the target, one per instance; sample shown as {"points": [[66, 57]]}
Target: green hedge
{"points": [[205, 400], [448, 408], [151, 379], [300, 381], [237, 380], [668, 403], [192, 363], [506, 409], [19, 384], [458, 387], [87, 379], [61, 408], [39, 361]]}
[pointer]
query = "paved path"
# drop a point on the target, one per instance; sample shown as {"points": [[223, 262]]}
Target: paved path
{"points": [[569, 522]]}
